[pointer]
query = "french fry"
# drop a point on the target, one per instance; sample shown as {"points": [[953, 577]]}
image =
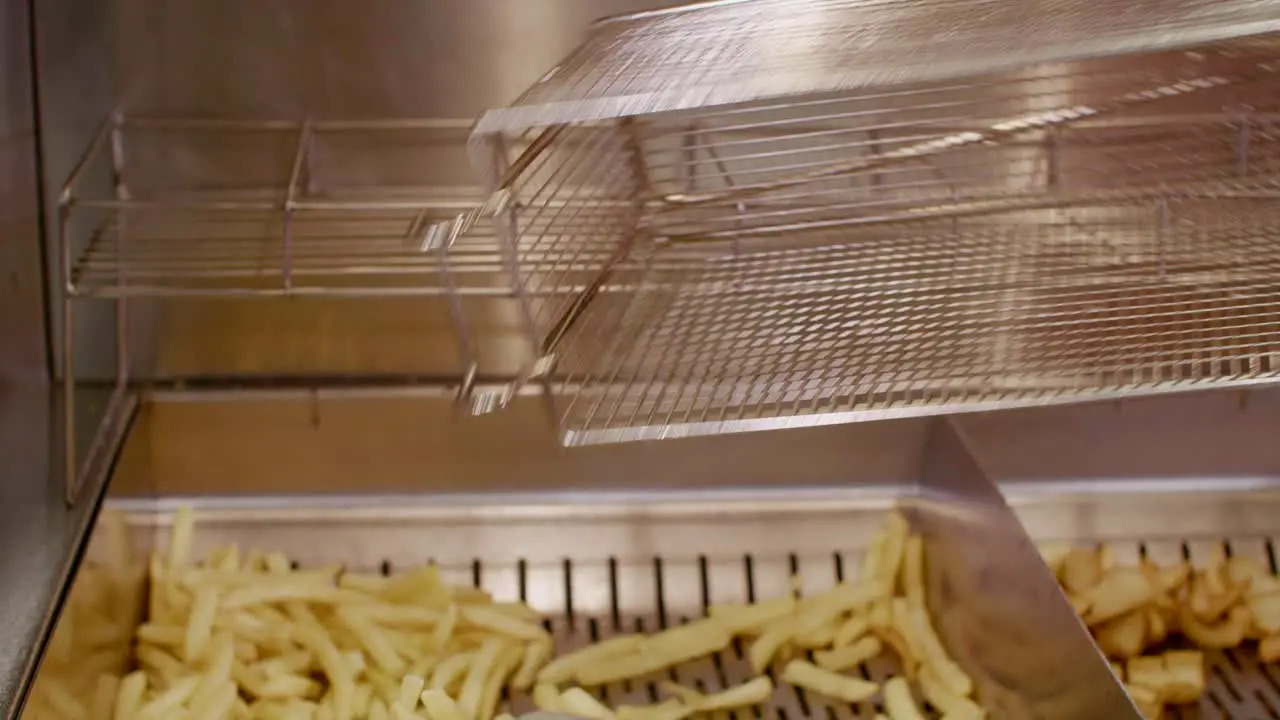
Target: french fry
{"points": [[824, 682], [843, 658], [1147, 700], [564, 667], [576, 701], [1269, 649], [667, 710], [951, 704], [1228, 633], [1119, 592], [1123, 637], [248, 636], [1080, 571], [898, 701], [751, 619], [752, 692]]}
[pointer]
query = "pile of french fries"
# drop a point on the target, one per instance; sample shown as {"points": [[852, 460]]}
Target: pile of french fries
{"points": [[247, 636], [1136, 612], [844, 627], [250, 637]]}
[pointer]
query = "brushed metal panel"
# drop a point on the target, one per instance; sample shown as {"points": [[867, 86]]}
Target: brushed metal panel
{"points": [[413, 441], [196, 337], [40, 534], [323, 58], [23, 354], [360, 442], [997, 607], [295, 59], [1213, 433], [76, 91]]}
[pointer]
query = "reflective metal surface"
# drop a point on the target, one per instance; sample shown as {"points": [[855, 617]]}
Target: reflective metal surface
{"points": [[724, 53], [362, 479], [40, 534], [997, 607], [601, 563], [292, 60], [23, 345], [772, 214]]}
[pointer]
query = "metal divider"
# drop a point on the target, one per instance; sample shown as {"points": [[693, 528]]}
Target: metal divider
{"points": [[996, 605]]}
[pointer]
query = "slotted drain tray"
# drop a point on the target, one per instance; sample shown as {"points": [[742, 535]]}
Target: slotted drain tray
{"points": [[623, 564]]}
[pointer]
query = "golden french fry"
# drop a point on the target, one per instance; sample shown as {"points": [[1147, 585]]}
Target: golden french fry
{"points": [[546, 697], [751, 619], [1147, 700], [898, 702], [1226, 634], [564, 667], [450, 673], [576, 701], [1081, 570], [440, 706], [1157, 627], [1054, 554], [840, 659], [502, 623], [853, 628], [1119, 592], [1186, 678], [667, 710], [752, 692], [1269, 649], [824, 682], [1123, 637], [766, 646], [943, 698], [482, 665], [891, 638], [535, 657]]}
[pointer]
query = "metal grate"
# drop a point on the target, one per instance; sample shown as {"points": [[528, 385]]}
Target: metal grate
{"points": [[174, 206], [1015, 232], [604, 567], [724, 52], [941, 317]]}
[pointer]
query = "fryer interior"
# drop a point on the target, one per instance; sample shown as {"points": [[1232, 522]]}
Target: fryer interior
{"points": [[601, 542]]}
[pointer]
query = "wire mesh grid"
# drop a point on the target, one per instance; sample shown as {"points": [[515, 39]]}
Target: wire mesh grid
{"points": [[999, 312], [270, 207], [723, 52], [1060, 231]]}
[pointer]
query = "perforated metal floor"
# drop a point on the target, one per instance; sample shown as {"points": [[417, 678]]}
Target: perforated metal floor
{"points": [[598, 570]]}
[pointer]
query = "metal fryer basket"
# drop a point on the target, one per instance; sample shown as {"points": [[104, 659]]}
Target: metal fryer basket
{"points": [[762, 214]]}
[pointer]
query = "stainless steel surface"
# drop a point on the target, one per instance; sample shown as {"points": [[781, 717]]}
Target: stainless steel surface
{"points": [[1081, 213], [399, 479], [77, 87], [740, 51], [293, 60], [23, 344], [599, 563], [40, 534], [409, 440], [277, 208], [996, 606], [194, 226]]}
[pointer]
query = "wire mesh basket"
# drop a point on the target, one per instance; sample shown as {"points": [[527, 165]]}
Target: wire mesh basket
{"points": [[770, 213]]}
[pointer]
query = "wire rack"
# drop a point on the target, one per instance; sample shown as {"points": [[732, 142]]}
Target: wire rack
{"points": [[769, 223], [188, 207], [204, 207]]}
